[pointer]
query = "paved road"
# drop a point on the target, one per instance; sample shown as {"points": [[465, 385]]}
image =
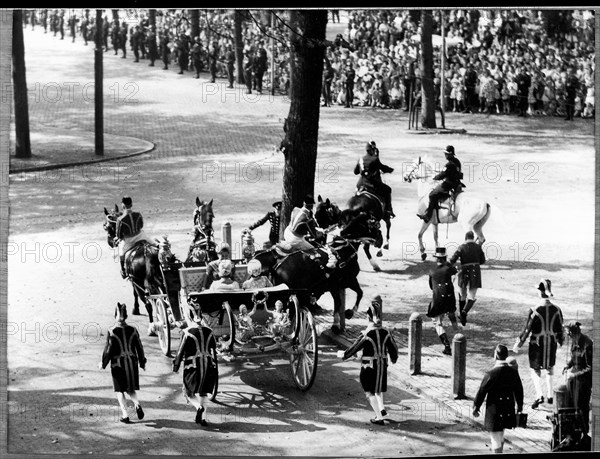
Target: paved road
{"points": [[218, 144]]}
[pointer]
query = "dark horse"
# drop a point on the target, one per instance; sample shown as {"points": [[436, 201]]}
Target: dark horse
{"points": [[328, 214], [203, 246], [301, 270], [142, 266]]}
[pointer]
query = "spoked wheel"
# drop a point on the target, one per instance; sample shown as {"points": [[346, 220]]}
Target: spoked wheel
{"points": [[213, 395], [304, 352], [162, 325]]}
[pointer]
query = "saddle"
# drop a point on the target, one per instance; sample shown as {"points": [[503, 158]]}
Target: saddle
{"points": [[282, 250], [450, 196]]}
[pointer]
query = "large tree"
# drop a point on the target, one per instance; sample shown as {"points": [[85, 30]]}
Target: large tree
{"points": [[238, 17], [307, 41], [195, 20], [428, 95], [22, 137]]}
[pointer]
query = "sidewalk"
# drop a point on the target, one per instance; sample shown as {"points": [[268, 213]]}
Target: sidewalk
{"points": [[59, 148], [435, 382]]}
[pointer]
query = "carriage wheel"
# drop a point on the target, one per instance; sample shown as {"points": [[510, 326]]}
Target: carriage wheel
{"points": [[162, 325], [213, 395], [304, 352]]}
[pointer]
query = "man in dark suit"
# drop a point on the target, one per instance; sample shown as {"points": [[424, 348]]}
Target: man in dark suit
{"points": [[444, 300], [502, 389], [260, 66]]}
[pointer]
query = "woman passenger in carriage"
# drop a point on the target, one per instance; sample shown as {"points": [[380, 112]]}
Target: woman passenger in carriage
{"points": [[256, 280], [225, 283]]}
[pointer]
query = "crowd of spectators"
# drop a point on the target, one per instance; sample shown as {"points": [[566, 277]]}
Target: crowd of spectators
{"points": [[522, 62]]}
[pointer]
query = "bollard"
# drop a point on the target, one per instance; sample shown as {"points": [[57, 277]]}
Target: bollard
{"points": [[459, 365], [226, 235], [414, 343]]}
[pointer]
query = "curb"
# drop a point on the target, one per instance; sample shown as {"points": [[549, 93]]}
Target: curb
{"points": [[48, 167], [426, 131]]}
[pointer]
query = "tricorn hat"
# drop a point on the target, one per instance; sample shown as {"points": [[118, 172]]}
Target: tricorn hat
{"points": [[375, 311], [121, 311], [449, 150], [545, 287], [127, 201], [440, 252], [501, 352], [309, 199], [277, 204]]}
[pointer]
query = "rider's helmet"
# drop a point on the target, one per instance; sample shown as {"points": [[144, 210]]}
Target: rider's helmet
{"points": [[121, 312], [254, 268]]}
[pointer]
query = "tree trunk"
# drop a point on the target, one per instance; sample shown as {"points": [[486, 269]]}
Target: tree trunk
{"points": [[302, 123], [152, 20], [427, 86], [98, 87], [195, 20], [23, 141], [239, 45]]}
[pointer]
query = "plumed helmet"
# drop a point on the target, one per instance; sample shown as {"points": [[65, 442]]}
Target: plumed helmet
{"points": [[127, 201], [545, 287], [254, 267], [121, 312]]}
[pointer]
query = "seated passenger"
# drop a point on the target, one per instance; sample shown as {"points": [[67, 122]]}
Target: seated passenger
{"points": [[225, 283], [256, 280]]}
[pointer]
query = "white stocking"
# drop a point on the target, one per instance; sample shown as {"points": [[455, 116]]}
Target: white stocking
{"points": [[195, 401], [204, 403], [549, 384], [133, 397], [373, 402], [122, 404], [537, 382], [379, 398]]}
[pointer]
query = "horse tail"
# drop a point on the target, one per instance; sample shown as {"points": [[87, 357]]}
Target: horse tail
{"points": [[153, 281]]}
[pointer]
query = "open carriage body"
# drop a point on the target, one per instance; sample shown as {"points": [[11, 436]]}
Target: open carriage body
{"points": [[182, 296]]}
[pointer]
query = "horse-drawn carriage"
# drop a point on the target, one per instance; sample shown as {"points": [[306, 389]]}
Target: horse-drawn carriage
{"points": [[183, 296]]}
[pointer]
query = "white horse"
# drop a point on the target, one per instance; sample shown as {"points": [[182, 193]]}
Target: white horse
{"points": [[470, 212]]}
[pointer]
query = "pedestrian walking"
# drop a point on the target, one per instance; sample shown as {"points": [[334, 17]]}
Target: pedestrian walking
{"points": [[545, 325], [124, 352], [444, 299], [249, 71], [230, 60], [471, 256], [376, 343], [165, 50], [198, 353], [579, 372], [501, 388]]}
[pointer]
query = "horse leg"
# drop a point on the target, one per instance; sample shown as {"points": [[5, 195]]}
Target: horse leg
{"points": [[339, 318], [148, 306], [136, 303], [367, 249], [355, 287], [478, 227], [424, 227], [388, 225], [435, 234]]}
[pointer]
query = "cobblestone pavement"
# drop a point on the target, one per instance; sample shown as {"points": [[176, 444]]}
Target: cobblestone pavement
{"points": [[217, 143]]}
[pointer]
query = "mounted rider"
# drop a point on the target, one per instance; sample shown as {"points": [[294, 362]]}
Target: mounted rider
{"points": [[303, 224], [129, 231], [369, 167], [274, 218], [451, 177]]}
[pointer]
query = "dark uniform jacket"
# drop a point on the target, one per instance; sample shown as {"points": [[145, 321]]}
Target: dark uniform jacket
{"points": [[471, 256], [274, 220], [198, 353], [369, 168], [581, 357], [375, 344], [260, 61], [545, 324], [124, 352], [129, 224], [440, 281], [450, 175], [502, 388]]}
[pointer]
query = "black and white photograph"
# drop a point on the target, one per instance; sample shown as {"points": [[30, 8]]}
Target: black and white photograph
{"points": [[350, 232]]}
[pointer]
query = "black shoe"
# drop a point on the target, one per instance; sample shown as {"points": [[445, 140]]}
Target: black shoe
{"points": [[203, 423], [379, 422], [447, 350], [537, 403], [125, 420], [199, 413], [383, 413], [140, 412], [463, 318], [550, 400], [151, 65], [180, 73]]}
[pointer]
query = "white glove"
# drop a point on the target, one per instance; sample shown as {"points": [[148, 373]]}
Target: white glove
{"points": [[516, 347], [340, 354]]}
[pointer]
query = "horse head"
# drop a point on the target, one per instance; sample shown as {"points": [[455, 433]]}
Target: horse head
{"points": [[413, 174], [110, 225], [203, 214], [327, 213], [362, 228]]}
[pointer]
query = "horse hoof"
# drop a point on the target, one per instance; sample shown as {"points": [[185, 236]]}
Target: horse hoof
{"points": [[136, 312], [379, 253], [151, 331], [423, 256], [349, 314], [386, 247]]}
